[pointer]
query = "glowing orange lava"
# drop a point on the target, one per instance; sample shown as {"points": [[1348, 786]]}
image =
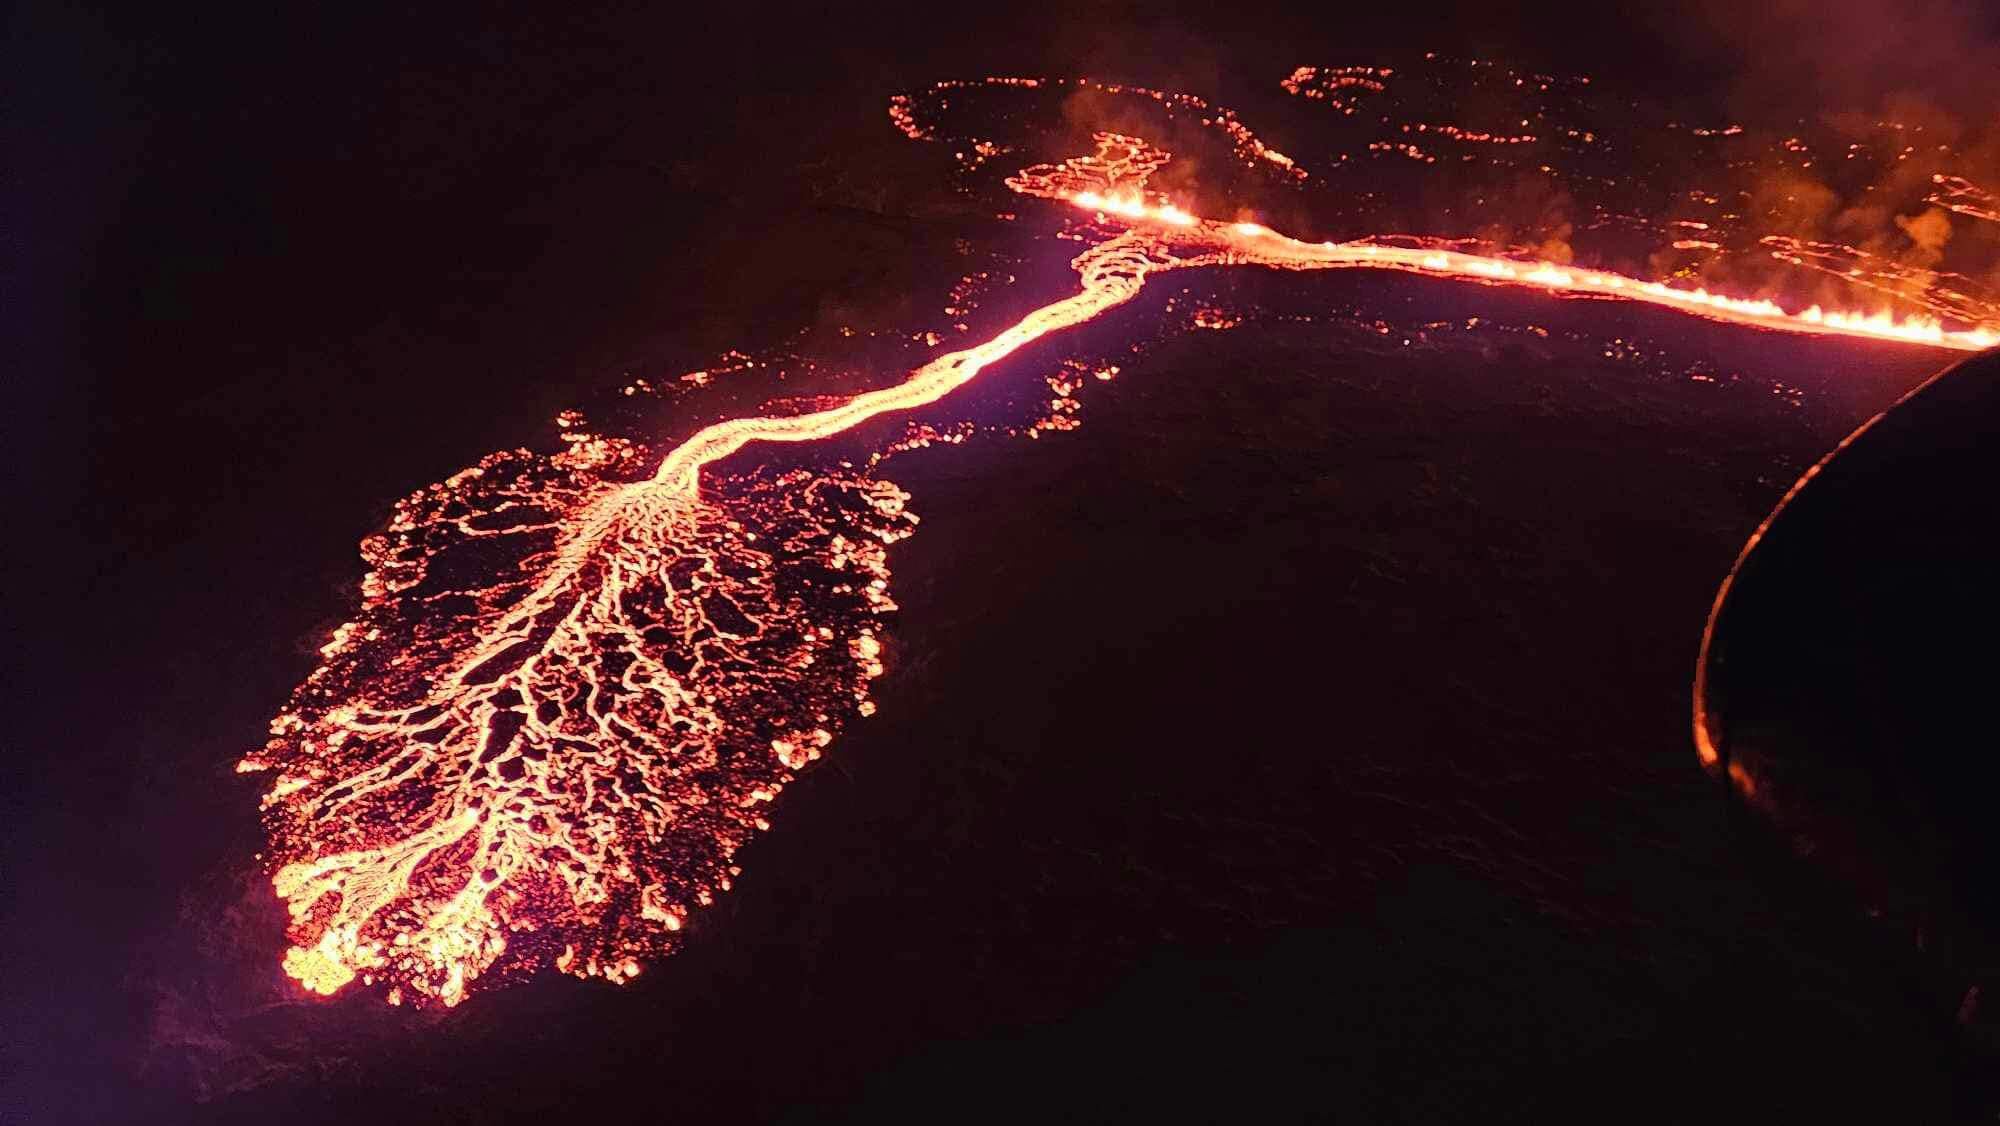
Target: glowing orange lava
{"points": [[1208, 241], [574, 684], [570, 761], [561, 709]]}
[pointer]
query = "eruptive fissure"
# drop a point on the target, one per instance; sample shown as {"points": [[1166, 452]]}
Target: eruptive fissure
{"points": [[574, 682]]}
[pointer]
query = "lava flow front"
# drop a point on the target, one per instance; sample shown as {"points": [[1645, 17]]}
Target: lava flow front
{"points": [[567, 696], [575, 682]]}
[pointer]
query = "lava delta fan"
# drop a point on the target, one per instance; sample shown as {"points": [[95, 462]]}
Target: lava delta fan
{"points": [[559, 714]]}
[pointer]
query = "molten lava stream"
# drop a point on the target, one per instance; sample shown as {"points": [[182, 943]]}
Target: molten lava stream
{"points": [[557, 765], [1209, 242], [1111, 273]]}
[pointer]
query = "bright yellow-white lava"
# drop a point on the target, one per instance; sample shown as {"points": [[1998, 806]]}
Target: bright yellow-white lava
{"points": [[1111, 273]]}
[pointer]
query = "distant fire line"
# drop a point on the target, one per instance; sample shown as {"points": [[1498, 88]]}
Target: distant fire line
{"points": [[1217, 242], [1253, 242]]}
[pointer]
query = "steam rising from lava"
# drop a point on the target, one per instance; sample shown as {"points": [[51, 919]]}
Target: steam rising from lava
{"points": [[575, 683]]}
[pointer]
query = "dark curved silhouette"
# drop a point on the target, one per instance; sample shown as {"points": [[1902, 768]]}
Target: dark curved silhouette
{"points": [[1849, 674]]}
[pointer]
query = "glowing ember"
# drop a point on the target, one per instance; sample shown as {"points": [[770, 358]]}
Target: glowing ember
{"points": [[575, 683]]}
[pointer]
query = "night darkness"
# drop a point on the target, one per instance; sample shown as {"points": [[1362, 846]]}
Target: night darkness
{"points": [[1304, 737]]}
